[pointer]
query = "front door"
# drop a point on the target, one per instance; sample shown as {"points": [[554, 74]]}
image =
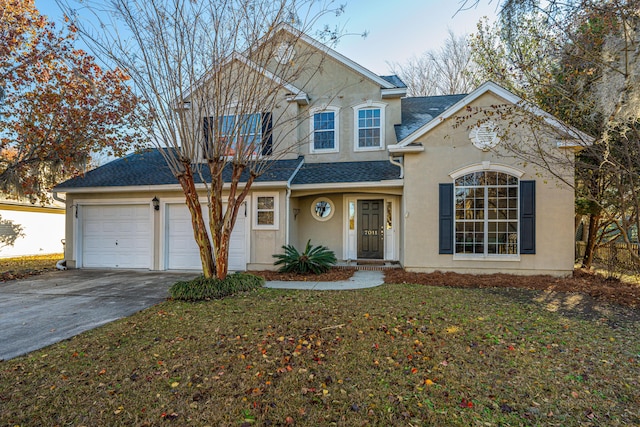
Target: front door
{"points": [[371, 229]]}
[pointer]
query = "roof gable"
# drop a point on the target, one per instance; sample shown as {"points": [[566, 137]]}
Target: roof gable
{"points": [[488, 87]]}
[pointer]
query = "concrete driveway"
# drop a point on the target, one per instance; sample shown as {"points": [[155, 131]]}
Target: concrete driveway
{"points": [[57, 305]]}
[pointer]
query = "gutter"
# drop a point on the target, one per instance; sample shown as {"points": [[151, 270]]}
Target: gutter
{"points": [[58, 198]]}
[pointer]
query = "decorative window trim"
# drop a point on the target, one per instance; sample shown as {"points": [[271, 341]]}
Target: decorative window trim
{"points": [[336, 129], [332, 211], [486, 166], [484, 136], [364, 106], [275, 210]]}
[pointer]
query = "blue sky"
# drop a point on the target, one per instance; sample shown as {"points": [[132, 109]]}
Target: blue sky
{"points": [[397, 29]]}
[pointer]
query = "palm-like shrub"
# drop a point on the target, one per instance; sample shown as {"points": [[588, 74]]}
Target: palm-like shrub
{"points": [[314, 259]]}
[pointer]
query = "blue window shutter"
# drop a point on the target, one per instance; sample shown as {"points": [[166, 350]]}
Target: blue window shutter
{"points": [[267, 136], [206, 127], [446, 219], [527, 217]]}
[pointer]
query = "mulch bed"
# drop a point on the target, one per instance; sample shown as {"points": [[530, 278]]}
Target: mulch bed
{"points": [[332, 275], [582, 281]]}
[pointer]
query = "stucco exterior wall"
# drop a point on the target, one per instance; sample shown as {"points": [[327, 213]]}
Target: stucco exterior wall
{"points": [[326, 233], [447, 149]]}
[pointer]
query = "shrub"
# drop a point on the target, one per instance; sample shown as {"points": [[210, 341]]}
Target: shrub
{"points": [[314, 259], [201, 288]]}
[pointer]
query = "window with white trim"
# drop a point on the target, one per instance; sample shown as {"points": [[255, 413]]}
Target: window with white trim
{"points": [[249, 133], [369, 126], [266, 211], [324, 130], [486, 214]]}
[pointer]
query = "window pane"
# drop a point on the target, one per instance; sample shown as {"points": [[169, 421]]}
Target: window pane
{"points": [[265, 202], [265, 218], [486, 213], [369, 127], [352, 215]]}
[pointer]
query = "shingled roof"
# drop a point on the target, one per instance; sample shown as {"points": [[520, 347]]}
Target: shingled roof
{"points": [[345, 172], [150, 168], [394, 80], [419, 110]]}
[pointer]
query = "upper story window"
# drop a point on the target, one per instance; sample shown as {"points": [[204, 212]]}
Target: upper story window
{"points": [[369, 126], [244, 134], [324, 130], [486, 214]]}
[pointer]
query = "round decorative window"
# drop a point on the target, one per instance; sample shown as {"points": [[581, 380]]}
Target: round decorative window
{"points": [[285, 53], [485, 136], [322, 209]]}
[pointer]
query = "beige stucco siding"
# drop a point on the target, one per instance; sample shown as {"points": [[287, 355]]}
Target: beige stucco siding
{"points": [[448, 149], [326, 233]]}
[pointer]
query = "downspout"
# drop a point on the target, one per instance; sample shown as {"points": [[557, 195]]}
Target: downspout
{"points": [[287, 202], [398, 163], [62, 264]]}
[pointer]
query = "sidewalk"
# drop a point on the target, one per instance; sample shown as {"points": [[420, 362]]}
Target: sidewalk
{"points": [[361, 279]]}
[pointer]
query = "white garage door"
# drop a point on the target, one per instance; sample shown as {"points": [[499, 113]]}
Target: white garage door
{"points": [[116, 236], [181, 249]]}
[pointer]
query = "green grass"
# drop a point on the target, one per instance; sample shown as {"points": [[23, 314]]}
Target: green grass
{"points": [[393, 355]]}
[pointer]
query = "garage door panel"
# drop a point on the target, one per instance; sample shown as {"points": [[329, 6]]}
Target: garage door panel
{"points": [[116, 236], [182, 252]]}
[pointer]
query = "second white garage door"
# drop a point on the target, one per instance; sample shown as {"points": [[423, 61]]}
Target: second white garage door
{"points": [[181, 249]]}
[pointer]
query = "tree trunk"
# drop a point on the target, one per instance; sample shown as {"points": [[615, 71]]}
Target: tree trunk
{"points": [[594, 221], [197, 222], [221, 223]]}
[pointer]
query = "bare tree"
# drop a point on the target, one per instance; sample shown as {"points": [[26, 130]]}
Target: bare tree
{"points": [[222, 81], [444, 71], [579, 60]]}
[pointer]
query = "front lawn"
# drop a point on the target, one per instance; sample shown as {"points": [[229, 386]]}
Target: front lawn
{"points": [[392, 355]]}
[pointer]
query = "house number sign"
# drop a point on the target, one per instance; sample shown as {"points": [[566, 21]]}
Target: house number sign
{"points": [[370, 232]]}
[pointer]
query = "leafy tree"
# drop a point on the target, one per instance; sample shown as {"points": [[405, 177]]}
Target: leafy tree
{"points": [[241, 65], [444, 71], [58, 107]]}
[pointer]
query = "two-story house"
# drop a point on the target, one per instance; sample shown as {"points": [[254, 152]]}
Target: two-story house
{"points": [[374, 176]]}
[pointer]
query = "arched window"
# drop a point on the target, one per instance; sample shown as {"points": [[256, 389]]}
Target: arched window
{"points": [[486, 219]]}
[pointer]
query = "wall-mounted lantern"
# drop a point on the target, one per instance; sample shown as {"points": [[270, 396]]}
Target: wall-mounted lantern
{"points": [[156, 203]]}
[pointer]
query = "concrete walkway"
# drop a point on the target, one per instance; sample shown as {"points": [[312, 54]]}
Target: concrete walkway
{"points": [[361, 279]]}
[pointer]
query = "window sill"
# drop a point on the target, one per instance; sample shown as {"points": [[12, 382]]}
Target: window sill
{"points": [[486, 258], [357, 149], [323, 151], [265, 227]]}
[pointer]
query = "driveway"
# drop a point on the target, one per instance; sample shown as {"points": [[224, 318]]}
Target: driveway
{"points": [[57, 305]]}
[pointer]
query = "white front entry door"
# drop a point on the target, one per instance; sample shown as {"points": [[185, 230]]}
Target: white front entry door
{"points": [[116, 236]]}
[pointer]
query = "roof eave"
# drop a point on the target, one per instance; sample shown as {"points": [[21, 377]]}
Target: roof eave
{"points": [[159, 187], [397, 148], [336, 185], [393, 93]]}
